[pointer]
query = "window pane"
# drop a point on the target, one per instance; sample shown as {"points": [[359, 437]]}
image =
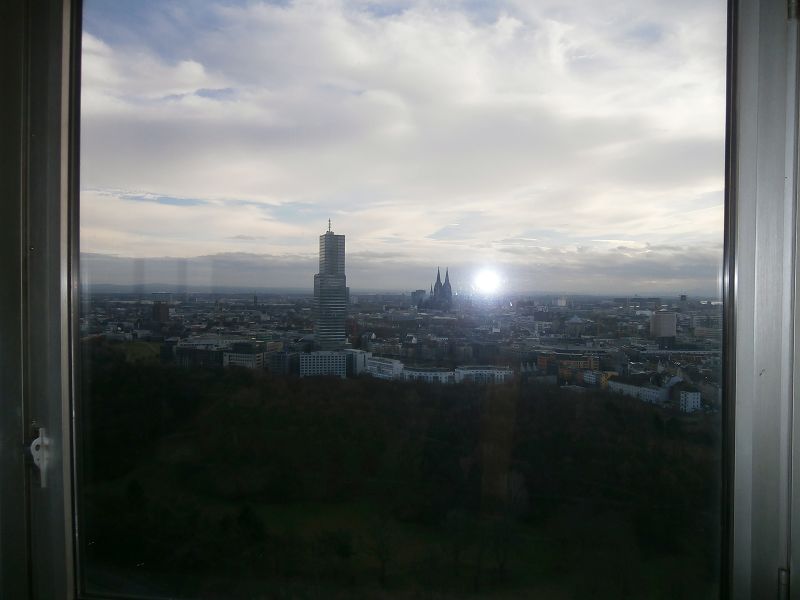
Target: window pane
{"points": [[399, 299]]}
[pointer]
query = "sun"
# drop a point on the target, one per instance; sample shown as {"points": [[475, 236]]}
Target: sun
{"points": [[486, 282]]}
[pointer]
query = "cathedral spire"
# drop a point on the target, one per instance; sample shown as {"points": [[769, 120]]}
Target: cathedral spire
{"points": [[447, 290]]}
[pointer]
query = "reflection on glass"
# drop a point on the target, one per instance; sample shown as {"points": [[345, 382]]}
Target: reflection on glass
{"points": [[401, 299]]}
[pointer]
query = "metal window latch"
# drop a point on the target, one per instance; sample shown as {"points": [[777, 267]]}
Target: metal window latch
{"points": [[39, 450]]}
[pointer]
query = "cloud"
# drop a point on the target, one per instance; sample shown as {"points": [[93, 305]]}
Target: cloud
{"points": [[657, 269], [146, 197], [459, 132]]}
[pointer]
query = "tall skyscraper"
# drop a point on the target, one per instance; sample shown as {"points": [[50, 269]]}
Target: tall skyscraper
{"points": [[330, 293]]}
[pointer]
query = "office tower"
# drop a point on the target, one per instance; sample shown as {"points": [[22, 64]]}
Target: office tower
{"points": [[161, 311], [330, 293], [161, 303], [663, 324]]}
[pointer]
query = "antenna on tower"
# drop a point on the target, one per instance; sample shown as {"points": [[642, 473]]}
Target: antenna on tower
{"points": [[329, 225]]}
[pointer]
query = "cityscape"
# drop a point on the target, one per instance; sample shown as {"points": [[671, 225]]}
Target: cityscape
{"points": [[451, 437], [401, 299], [664, 351]]}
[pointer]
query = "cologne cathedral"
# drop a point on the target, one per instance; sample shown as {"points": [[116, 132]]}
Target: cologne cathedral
{"points": [[441, 295]]}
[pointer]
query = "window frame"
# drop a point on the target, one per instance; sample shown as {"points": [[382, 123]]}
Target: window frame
{"points": [[760, 271], [39, 259], [14, 550], [39, 232]]}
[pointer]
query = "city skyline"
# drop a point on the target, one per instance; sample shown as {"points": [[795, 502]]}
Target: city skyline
{"points": [[516, 137], [214, 274]]}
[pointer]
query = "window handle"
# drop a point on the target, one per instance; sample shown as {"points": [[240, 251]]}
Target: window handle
{"points": [[39, 450]]}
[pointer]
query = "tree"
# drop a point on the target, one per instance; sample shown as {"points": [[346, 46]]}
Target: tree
{"points": [[381, 542]]}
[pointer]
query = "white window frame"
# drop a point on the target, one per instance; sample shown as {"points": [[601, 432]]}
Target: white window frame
{"points": [[40, 41], [761, 268]]}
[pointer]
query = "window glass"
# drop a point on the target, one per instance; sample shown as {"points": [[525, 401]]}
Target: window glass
{"points": [[401, 298]]}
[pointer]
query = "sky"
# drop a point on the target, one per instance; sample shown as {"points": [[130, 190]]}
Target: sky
{"points": [[570, 147]]}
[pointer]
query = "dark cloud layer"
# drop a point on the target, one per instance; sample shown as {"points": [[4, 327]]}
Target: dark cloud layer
{"points": [[663, 270]]}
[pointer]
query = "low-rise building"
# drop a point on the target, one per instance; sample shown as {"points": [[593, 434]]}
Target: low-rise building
{"points": [[689, 401], [356, 361], [567, 361], [483, 374], [429, 374], [646, 393], [244, 354], [205, 351], [384, 368], [330, 363], [284, 363], [196, 356], [248, 360], [598, 378]]}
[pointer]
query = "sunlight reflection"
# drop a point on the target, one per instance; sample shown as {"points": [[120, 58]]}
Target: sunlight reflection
{"points": [[486, 282]]}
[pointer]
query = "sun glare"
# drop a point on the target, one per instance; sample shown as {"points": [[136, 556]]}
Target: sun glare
{"points": [[486, 282]]}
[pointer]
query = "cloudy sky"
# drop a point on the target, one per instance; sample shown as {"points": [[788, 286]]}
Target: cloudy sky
{"points": [[569, 146]]}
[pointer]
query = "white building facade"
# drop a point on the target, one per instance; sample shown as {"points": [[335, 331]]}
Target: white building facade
{"points": [[357, 360], [689, 402], [323, 363], [428, 375], [652, 394], [483, 374], [248, 360], [384, 368]]}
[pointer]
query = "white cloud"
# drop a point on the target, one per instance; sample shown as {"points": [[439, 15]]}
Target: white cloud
{"points": [[399, 120]]}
